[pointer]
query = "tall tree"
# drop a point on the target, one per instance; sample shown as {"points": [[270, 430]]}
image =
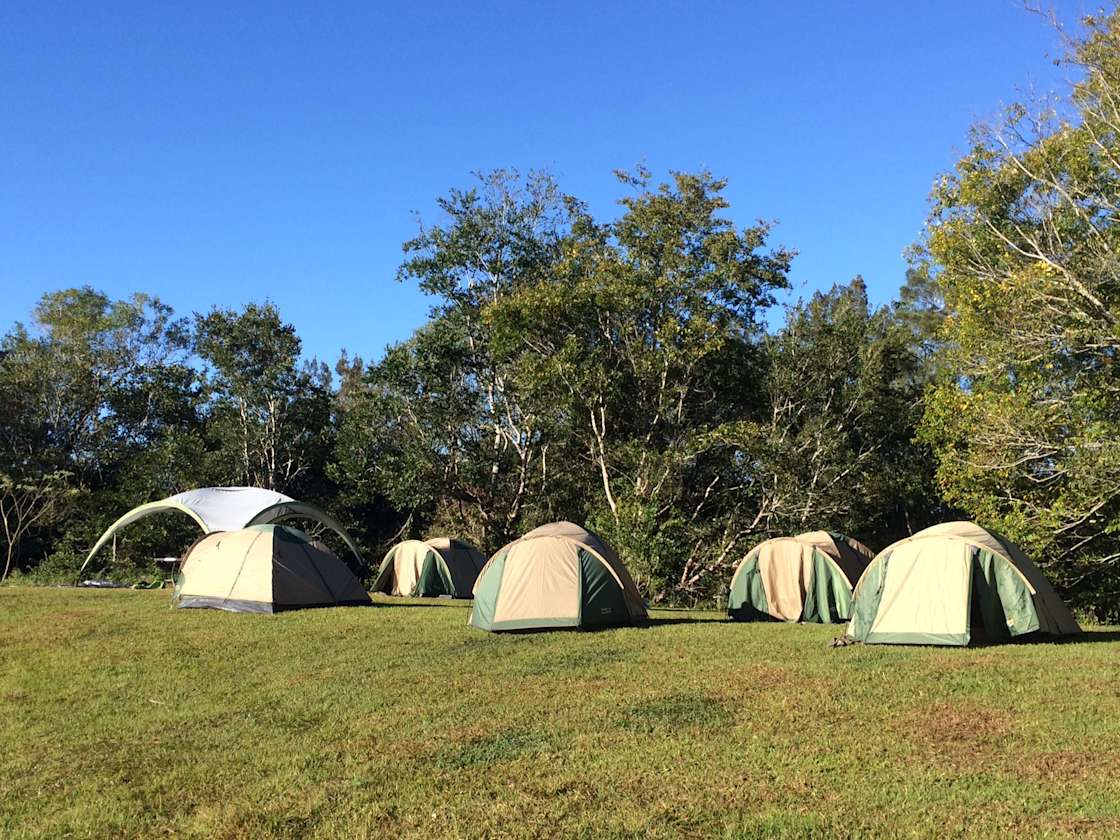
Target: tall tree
{"points": [[27, 503], [88, 388], [921, 308], [455, 439], [91, 379], [836, 449], [270, 413], [1023, 239], [641, 339]]}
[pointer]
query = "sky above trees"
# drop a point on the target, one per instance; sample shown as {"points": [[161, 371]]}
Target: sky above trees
{"points": [[218, 156]]}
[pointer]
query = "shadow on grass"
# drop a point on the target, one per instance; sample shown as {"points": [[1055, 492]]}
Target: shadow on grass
{"points": [[533, 631], [656, 622], [503, 746], [390, 601], [606, 628], [675, 712], [1085, 637]]}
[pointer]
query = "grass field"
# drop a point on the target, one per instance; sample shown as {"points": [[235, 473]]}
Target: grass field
{"points": [[122, 718]]}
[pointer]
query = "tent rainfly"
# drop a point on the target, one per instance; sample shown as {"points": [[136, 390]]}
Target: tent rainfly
{"points": [[430, 568], [936, 587], [804, 578], [265, 568], [558, 575], [227, 509]]}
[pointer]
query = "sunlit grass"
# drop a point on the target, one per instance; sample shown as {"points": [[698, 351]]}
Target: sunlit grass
{"points": [[120, 717]]}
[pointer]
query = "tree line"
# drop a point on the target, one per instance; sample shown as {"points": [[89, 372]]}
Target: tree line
{"points": [[621, 373]]}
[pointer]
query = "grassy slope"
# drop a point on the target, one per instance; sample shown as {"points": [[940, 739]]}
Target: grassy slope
{"points": [[121, 718]]}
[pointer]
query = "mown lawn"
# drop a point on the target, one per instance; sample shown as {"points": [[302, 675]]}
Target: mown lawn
{"points": [[121, 718]]}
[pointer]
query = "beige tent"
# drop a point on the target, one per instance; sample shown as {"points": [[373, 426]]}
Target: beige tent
{"points": [[943, 583], [265, 568], [430, 568], [804, 578], [558, 575]]}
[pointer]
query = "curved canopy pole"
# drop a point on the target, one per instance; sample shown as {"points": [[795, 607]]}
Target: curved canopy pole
{"points": [[139, 513], [282, 510]]}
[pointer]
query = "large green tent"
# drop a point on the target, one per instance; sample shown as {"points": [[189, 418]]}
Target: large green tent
{"points": [[558, 575], [430, 568], [943, 584], [804, 578]]}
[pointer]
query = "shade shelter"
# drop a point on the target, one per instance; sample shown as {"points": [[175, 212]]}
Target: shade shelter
{"points": [[558, 575], [430, 568], [804, 578], [944, 583], [227, 509], [265, 568]]}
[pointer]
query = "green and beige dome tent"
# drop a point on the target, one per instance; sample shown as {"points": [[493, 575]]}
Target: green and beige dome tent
{"points": [[265, 568], [804, 578], [430, 568], [558, 575], [227, 509], [942, 584]]}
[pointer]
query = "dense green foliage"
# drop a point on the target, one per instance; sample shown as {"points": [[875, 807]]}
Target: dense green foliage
{"points": [[620, 372], [402, 721], [1025, 415], [615, 373]]}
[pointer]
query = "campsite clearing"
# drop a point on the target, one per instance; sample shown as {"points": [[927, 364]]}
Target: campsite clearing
{"points": [[121, 717]]}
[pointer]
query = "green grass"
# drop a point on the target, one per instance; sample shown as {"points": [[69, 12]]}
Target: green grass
{"points": [[122, 718]]}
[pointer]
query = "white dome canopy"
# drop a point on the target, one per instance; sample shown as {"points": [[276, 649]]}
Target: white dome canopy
{"points": [[228, 509]]}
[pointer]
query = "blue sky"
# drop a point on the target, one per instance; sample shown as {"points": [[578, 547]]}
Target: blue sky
{"points": [[217, 153]]}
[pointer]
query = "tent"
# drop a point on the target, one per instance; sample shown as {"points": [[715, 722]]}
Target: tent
{"points": [[804, 578], [227, 509], [430, 568], [936, 587], [265, 568], [558, 575]]}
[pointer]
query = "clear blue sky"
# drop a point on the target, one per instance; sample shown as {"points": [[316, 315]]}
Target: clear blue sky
{"points": [[218, 153]]}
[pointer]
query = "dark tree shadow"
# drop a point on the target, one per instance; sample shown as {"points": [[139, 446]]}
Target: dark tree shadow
{"points": [[1085, 637], [445, 603], [656, 622], [534, 631], [607, 628]]}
